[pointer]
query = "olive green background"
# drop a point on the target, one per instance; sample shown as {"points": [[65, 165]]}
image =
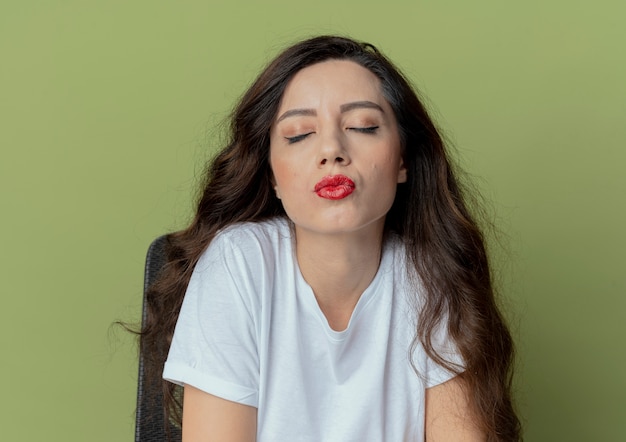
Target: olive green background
{"points": [[108, 111]]}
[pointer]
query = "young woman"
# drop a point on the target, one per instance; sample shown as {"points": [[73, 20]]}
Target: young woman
{"points": [[335, 284]]}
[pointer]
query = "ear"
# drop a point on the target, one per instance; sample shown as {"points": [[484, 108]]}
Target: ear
{"points": [[402, 173], [277, 192]]}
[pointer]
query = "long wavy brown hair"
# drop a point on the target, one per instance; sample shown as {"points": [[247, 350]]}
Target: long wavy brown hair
{"points": [[430, 213]]}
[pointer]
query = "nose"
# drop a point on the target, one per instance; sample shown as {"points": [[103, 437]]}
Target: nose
{"points": [[332, 151]]}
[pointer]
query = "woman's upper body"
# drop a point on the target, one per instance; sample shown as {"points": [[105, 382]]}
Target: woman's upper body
{"points": [[325, 329], [252, 332]]}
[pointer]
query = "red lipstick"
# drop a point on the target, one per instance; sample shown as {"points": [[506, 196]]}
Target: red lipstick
{"points": [[334, 187]]}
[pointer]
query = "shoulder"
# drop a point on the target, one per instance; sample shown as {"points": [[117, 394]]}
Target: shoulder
{"points": [[240, 264], [249, 244], [263, 232]]}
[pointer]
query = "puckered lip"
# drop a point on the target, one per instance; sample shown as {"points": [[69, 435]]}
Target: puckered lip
{"points": [[334, 181], [334, 187]]}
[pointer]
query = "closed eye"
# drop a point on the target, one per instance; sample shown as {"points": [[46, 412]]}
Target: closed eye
{"points": [[364, 130], [297, 138]]}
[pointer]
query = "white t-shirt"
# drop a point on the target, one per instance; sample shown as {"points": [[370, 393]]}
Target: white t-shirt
{"points": [[250, 331]]}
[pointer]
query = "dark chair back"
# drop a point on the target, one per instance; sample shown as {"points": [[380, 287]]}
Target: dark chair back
{"points": [[150, 425]]}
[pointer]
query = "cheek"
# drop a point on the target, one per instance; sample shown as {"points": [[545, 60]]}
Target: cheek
{"points": [[280, 171], [277, 166], [286, 177], [385, 170], [384, 179]]}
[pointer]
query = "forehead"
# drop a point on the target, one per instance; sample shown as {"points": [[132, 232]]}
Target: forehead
{"points": [[331, 81]]}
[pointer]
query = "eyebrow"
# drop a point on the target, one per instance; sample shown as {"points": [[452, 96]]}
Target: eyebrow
{"points": [[360, 105], [343, 109]]}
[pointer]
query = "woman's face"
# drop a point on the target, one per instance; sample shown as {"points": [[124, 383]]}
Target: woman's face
{"points": [[335, 150]]}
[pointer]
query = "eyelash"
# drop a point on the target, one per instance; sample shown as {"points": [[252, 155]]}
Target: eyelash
{"points": [[363, 130], [297, 138]]}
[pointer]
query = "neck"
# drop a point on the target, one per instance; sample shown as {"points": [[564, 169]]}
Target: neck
{"points": [[338, 268]]}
